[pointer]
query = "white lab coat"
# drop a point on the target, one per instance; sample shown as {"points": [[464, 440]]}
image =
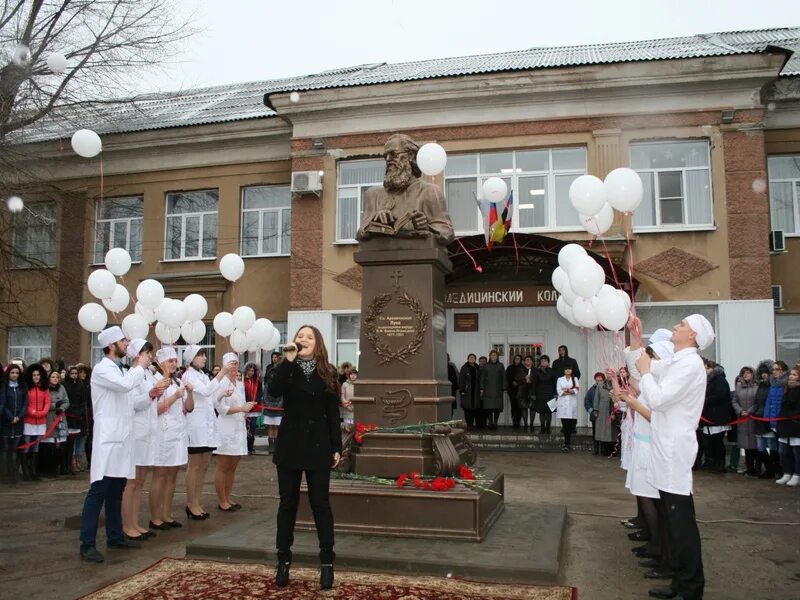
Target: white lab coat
{"points": [[232, 427], [202, 421], [626, 428], [112, 444], [145, 422], [567, 404], [171, 439], [676, 401]]}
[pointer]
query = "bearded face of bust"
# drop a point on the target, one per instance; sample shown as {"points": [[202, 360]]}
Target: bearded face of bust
{"points": [[401, 167]]}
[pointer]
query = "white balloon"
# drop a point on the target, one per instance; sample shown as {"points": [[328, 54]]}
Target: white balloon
{"points": [[148, 314], [253, 342], [166, 334], [495, 190], [567, 293], [262, 329], [567, 314], [559, 278], [584, 313], [172, 312], [135, 326], [561, 305], [274, 340], [196, 307], [431, 159], [238, 340], [568, 253], [150, 293], [611, 312], [92, 317], [231, 266], [86, 143], [193, 332], [587, 194], [118, 261], [223, 324], [606, 289], [119, 299], [101, 284], [584, 278], [601, 273], [599, 223], [57, 63], [243, 318], [625, 298], [624, 189], [15, 204]]}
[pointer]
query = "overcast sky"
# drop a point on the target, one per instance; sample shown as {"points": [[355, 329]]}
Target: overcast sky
{"points": [[250, 40]]}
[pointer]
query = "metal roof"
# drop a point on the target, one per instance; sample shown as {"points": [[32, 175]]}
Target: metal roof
{"points": [[241, 101]]}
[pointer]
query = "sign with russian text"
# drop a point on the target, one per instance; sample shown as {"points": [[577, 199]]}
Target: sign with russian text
{"points": [[500, 296]]}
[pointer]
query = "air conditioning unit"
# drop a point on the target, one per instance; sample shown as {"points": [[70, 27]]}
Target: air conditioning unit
{"points": [[777, 243], [777, 296], [307, 182]]}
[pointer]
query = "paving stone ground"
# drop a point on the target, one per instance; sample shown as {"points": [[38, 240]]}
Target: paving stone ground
{"points": [[39, 544]]}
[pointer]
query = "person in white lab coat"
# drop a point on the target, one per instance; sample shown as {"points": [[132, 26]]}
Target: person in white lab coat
{"points": [[233, 409], [171, 440], [112, 451], [567, 388], [145, 422], [202, 426], [676, 402]]}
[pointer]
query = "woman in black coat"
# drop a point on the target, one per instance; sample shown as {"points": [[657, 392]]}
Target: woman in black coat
{"points": [[77, 415], [545, 391], [309, 440], [789, 430], [717, 411], [13, 408], [469, 385]]}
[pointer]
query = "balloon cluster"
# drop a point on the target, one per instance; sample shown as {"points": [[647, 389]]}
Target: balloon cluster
{"points": [[103, 285], [585, 299], [595, 200]]}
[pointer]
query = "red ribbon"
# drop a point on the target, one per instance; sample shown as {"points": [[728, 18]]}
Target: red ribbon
{"points": [[47, 434], [749, 418]]}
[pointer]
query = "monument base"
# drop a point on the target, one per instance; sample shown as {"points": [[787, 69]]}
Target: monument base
{"points": [[460, 513]]}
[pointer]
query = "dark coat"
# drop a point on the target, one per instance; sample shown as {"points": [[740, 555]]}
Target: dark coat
{"points": [[790, 408], [493, 383], [452, 377], [560, 364], [309, 434], [13, 403], [470, 387], [526, 392], [545, 388], [513, 379], [762, 393], [78, 393], [717, 407], [273, 404]]}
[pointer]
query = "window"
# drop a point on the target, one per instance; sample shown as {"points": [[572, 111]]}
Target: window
{"points": [[119, 225], [655, 317], [34, 236], [97, 350], [191, 225], [784, 193], [539, 179], [347, 332], [355, 177], [266, 220], [31, 344], [677, 184], [788, 336]]}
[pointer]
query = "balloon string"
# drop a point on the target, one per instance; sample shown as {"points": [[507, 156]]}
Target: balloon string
{"points": [[516, 249], [636, 328], [478, 268]]}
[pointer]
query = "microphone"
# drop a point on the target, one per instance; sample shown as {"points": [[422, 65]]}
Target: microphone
{"points": [[294, 347]]}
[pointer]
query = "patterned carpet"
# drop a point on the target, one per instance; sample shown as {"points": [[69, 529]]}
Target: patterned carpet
{"points": [[182, 579]]}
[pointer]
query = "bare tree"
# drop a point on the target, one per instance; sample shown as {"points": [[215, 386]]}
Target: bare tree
{"points": [[109, 46]]}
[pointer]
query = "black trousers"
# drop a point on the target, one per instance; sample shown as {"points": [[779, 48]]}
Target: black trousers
{"points": [[684, 545], [568, 428], [10, 459], [545, 419], [516, 413], [318, 494], [469, 417]]}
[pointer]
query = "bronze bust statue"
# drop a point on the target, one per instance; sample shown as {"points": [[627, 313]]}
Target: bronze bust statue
{"points": [[405, 206]]}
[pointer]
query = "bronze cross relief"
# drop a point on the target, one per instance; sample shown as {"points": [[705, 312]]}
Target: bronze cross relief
{"points": [[397, 276]]}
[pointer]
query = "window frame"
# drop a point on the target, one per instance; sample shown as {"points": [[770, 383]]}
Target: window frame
{"points": [[338, 239], [261, 212], [17, 351], [659, 227], [21, 262], [337, 340], [98, 260], [183, 216], [795, 195]]}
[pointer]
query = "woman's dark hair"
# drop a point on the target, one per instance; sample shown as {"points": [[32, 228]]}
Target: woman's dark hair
{"points": [[783, 366], [325, 369], [544, 357], [13, 366], [472, 354], [274, 354], [527, 356], [43, 379], [256, 370], [49, 362], [710, 364], [744, 370], [599, 374], [146, 347]]}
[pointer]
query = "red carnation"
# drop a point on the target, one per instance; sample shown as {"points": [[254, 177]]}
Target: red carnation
{"points": [[464, 472], [402, 480], [426, 485]]}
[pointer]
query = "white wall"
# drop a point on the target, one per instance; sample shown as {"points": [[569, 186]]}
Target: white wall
{"points": [[745, 334], [322, 320]]}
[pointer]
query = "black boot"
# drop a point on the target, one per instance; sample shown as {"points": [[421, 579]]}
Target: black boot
{"points": [[326, 577], [595, 448], [769, 468], [282, 574], [26, 467], [775, 460], [34, 467]]}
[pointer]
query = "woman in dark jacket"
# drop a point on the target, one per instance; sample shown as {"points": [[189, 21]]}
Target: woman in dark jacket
{"points": [[13, 408], [77, 415], [469, 386], [273, 406], [717, 411], [744, 405], [545, 391], [512, 386], [309, 440], [788, 431], [761, 428], [493, 384]]}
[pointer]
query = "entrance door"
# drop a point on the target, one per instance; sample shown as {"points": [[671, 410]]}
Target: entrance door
{"points": [[509, 345]]}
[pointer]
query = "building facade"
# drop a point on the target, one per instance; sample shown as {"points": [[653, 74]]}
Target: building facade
{"points": [[712, 125]]}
